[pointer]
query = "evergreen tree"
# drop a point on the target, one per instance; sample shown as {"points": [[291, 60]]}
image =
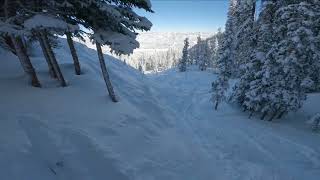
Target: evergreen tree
{"points": [[225, 57], [219, 89], [220, 37], [198, 51], [249, 91], [204, 61], [245, 36], [282, 65], [116, 31], [225, 52], [293, 59], [185, 56]]}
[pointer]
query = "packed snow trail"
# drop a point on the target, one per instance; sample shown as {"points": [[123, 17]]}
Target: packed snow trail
{"points": [[241, 148], [164, 127]]}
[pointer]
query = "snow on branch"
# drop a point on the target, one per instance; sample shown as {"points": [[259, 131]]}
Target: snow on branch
{"points": [[119, 43], [42, 21], [6, 28]]}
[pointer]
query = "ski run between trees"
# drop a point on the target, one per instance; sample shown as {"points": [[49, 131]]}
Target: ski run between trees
{"points": [[205, 114], [151, 133]]}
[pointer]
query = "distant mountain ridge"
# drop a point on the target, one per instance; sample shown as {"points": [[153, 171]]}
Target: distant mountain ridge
{"points": [[166, 40], [157, 48]]}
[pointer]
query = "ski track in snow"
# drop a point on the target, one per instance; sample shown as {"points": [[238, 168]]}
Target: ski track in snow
{"points": [[62, 162], [274, 156]]}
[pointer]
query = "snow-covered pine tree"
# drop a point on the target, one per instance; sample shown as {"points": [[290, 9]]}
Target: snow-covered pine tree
{"points": [[225, 57], [315, 75], [114, 24], [219, 89], [297, 54], [219, 41], [205, 56], [285, 58], [212, 48], [251, 91], [185, 56], [198, 51], [245, 35]]}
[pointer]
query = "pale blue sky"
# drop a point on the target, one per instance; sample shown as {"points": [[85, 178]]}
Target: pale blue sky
{"points": [[188, 15]]}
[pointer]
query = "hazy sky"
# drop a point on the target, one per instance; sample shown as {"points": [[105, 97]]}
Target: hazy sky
{"points": [[188, 15]]}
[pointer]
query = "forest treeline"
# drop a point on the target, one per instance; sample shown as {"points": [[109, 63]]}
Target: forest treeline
{"points": [[275, 56]]}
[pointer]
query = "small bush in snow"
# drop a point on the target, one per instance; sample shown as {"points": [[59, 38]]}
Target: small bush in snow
{"points": [[315, 120]]}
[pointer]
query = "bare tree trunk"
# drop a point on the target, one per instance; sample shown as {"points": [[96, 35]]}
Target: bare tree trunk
{"points": [[106, 74], [216, 106], [74, 54], [52, 72], [25, 61], [251, 114], [244, 109], [254, 10], [8, 43], [53, 59], [273, 116], [281, 114], [264, 115]]}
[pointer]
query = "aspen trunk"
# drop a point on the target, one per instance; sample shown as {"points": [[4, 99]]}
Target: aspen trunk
{"points": [[105, 73], [53, 59], [25, 61], [52, 72], [73, 51]]}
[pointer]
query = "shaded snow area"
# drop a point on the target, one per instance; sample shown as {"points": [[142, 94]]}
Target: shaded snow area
{"points": [[163, 128]]}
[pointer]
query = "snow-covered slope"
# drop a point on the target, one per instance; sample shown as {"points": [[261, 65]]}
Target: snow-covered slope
{"points": [[226, 144], [78, 126], [162, 128]]}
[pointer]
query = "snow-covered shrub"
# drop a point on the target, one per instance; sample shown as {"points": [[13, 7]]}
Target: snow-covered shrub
{"points": [[315, 121], [219, 89]]}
